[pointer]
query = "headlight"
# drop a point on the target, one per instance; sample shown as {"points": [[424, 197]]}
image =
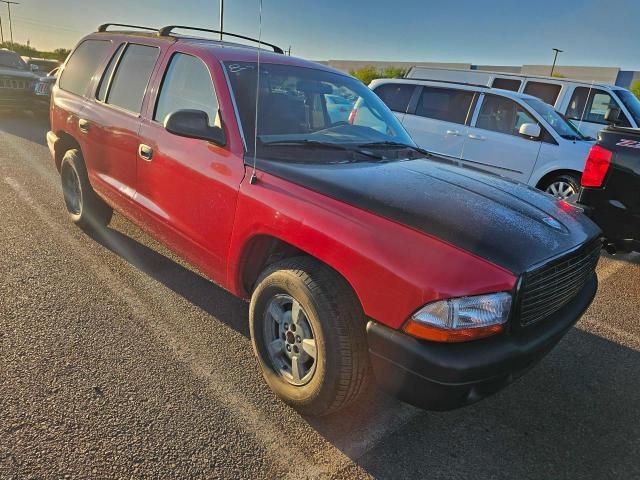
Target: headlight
{"points": [[461, 319]]}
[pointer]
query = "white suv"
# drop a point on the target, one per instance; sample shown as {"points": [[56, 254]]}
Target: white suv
{"points": [[503, 132]]}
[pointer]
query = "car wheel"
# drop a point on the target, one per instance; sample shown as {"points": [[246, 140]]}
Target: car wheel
{"points": [[309, 336], [85, 208], [564, 187]]}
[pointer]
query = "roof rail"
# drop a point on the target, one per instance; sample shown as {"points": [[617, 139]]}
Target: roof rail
{"points": [[448, 81], [105, 26], [166, 31]]}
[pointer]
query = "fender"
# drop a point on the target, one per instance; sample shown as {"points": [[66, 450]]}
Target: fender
{"points": [[369, 251]]}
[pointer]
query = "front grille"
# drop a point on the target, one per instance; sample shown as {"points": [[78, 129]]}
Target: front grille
{"points": [[547, 289], [15, 83]]}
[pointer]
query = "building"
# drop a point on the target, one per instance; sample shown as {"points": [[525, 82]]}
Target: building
{"points": [[609, 75]]}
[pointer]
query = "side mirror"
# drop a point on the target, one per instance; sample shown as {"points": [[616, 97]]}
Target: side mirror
{"points": [[194, 124], [34, 68], [531, 130], [612, 117]]}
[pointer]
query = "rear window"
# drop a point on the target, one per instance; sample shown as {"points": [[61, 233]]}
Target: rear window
{"points": [[507, 84], [396, 96], [83, 65], [547, 92], [130, 80], [445, 104]]}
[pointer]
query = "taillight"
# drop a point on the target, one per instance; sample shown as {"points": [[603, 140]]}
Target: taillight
{"points": [[597, 166], [352, 116]]}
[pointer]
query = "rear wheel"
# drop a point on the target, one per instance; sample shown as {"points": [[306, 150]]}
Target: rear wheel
{"points": [[85, 208], [564, 187], [309, 336]]}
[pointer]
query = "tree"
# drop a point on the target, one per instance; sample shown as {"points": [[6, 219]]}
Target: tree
{"points": [[369, 73], [28, 51], [635, 88]]}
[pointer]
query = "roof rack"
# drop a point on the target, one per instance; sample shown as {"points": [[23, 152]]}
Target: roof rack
{"points": [[449, 81], [105, 26], [166, 31]]}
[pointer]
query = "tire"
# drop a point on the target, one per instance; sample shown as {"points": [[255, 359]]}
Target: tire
{"points": [[85, 208], [330, 317], [562, 186]]}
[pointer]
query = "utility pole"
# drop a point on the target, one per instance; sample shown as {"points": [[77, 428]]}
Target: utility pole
{"points": [[221, 18], [9, 3], [289, 51], [1, 30], [555, 58]]}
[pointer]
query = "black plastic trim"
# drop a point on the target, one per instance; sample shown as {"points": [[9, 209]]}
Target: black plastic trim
{"points": [[445, 376]]}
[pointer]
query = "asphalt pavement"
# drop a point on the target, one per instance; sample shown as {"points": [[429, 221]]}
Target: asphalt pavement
{"points": [[118, 360]]}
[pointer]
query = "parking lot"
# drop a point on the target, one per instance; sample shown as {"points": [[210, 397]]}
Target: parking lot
{"points": [[118, 360]]}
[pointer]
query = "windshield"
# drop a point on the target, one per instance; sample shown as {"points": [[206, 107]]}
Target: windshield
{"points": [[12, 60], [631, 102], [555, 120], [297, 108]]}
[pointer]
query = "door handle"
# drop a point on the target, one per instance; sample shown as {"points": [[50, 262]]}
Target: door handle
{"points": [[454, 133], [84, 125], [145, 152], [476, 137]]}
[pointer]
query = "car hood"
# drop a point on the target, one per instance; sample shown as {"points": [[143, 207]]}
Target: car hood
{"points": [[505, 222], [14, 73]]}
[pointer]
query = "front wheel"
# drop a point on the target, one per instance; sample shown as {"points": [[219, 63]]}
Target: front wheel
{"points": [[308, 333], [564, 187]]}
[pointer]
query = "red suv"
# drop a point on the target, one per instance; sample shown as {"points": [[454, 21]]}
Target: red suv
{"points": [[359, 252]]}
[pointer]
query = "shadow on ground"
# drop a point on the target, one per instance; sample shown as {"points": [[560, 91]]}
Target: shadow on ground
{"points": [[576, 415], [21, 124]]}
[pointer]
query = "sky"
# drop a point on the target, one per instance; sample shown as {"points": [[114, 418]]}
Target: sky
{"points": [[498, 32]]}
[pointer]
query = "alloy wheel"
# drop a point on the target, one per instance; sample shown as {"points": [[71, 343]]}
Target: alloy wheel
{"points": [[291, 342], [71, 190], [561, 189]]}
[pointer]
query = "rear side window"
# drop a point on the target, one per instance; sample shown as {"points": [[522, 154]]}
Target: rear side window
{"points": [[83, 65], [445, 104], [507, 84], [396, 95], [132, 76], [106, 78], [187, 85], [547, 92], [592, 103]]}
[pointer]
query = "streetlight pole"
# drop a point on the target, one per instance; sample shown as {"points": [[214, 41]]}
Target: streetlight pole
{"points": [[221, 18], [555, 58]]}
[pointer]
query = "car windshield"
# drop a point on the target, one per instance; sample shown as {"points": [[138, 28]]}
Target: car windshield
{"points": [[12, 60], [631, 102], [294, 110], [555, 120]]}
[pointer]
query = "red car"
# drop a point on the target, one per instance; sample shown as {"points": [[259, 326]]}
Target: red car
{"points": [[359, 252]]}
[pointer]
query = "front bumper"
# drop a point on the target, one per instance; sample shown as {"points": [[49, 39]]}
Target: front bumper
{"points": [[440, 376]]}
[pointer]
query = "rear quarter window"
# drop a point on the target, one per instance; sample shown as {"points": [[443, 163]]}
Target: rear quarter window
{"points": [[82, 65]]}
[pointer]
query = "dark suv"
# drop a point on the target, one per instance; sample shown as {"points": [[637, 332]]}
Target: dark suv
{"points": [[18, 84], [358, 251]]}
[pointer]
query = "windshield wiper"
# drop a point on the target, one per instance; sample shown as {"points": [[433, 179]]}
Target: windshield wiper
{"points": [[319, 144], [394, 145]]}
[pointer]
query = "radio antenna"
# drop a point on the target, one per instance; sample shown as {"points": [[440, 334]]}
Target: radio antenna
{"points": [[586, 102], [254, 177]]}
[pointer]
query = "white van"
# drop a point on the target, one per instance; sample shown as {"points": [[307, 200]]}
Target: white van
{"points": [[507, 133], [583, 103]]}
